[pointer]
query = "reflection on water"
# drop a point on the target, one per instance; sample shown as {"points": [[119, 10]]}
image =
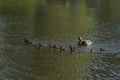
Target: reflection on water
{"points": [[59, 22]]}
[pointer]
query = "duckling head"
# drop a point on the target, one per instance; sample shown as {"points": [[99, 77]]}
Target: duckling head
{"points": [[60, 47], [25, 39], [70, 47]]}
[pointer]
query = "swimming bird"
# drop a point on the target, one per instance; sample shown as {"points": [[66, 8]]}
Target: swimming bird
{"points": [[84, 42], [50, 45], [53, 46], [93, 51], [102, 49], [62, 48], [72, 48], [27, 41], [42, 44]]}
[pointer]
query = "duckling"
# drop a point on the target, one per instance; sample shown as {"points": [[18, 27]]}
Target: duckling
{"points": [[50, 45], [84, 42], [42, 44], [27, 41], [93, 51], [62, 49], [53, 46], [72, 48], [102, 49]]}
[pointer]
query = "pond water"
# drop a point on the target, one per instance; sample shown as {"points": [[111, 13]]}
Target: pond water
{"points": [[59, 22]]}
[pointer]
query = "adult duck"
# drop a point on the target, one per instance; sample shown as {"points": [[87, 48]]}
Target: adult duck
{"points": [[84, 42]]}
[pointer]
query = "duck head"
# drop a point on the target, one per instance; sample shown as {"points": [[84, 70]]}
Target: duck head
{"points": [[79, 38]]}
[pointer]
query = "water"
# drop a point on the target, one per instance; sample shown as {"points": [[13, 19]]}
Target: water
{"points": [[59, 22]]}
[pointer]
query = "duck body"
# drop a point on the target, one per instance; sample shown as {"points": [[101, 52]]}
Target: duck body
{"points": [[84, 42]]}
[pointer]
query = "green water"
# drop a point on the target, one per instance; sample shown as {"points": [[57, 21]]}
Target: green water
{"points": [[59, 22]]}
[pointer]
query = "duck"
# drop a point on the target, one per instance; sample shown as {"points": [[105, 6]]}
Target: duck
{"points": [[62, 48], [72, 48], [84, 42], [93, 51], [102, 49], [27, 41]]}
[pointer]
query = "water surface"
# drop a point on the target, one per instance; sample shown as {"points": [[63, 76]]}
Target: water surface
{"points": [[59, 22]]}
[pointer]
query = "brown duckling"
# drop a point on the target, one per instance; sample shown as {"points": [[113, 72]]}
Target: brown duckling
{"points": [[27, 41], [42, 44], [50, 45], [102, 49], [53, 46], [84, 42], [72, 48], [93, 51], [62, 49]]}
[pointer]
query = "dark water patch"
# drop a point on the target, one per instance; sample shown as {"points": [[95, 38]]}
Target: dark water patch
{"points": [[106, 67]]}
